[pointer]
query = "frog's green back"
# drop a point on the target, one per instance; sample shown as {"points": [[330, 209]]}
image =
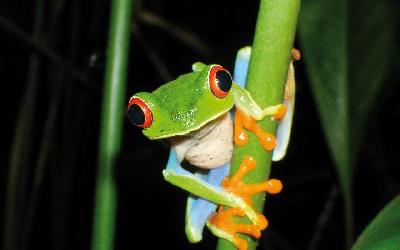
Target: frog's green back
{"points": [[183, 105]]}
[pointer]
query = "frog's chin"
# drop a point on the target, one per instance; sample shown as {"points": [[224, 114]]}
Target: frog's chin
{"points": [[200, 130], [206, 128]]}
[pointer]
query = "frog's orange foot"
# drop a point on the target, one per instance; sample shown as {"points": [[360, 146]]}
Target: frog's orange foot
{"points": [[235, 185], [243, 121], [223, 220]]}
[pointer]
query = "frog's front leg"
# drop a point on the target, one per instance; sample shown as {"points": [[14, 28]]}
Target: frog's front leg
{"points": [[248, 112], [242, 122], [250, 109]]}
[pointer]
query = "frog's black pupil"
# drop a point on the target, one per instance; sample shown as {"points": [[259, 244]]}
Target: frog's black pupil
{"points": [[136, 115], [224, 80]]}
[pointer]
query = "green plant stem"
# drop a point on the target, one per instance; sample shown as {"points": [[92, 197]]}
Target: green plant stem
{"points": [[111, 124], [21, 153], [271, 55], [41, 49]]}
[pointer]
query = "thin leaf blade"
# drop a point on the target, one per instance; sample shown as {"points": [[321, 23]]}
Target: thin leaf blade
{"points": [[383, 231], [323, 36]]}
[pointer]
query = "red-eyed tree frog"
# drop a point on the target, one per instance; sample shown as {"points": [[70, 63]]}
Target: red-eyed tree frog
{"points": [[193, 112]]}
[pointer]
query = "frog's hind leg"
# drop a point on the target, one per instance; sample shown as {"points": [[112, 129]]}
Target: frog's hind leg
{"points": [[178, 176], [285, 124], [199, 210], [222, 223]]}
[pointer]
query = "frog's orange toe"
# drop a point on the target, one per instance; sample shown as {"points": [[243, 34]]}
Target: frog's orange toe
{"points": [[295, 54], [240, 137], [268, 141], [262, 222], [274, 186], [280, 112]]}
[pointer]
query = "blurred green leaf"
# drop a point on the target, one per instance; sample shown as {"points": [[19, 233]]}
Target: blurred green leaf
{"points": [[384, 231], [323, 35], [373, 29], [346, 46]]}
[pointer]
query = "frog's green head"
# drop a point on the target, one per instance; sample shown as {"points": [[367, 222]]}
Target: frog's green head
{"points": [[183, 105]]}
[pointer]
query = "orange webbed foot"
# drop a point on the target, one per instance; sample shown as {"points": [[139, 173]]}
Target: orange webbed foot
{"points": [[223, 220], [242, 121], [224, 217], [235, 185]]}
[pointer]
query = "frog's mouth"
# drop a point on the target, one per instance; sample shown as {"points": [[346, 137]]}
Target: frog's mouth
{"points": [[206, 128], [199, 131]]}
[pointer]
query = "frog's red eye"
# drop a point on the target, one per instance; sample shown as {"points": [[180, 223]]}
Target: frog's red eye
{"points": [[220, 81], [139, 113]]}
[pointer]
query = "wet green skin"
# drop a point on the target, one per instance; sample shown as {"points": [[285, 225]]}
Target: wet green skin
{"points": [[184, 105]]}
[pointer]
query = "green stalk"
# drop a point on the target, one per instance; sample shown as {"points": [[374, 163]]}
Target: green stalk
{"points": [[21, 153], [44, 51], [271, 54], [111, 124]]}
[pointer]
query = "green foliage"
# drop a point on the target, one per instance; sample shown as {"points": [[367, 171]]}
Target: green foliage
{"points": [[346, 47], [383, 232]]}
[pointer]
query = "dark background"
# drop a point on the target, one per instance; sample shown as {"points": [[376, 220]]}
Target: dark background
{"points": [[57, 186]]}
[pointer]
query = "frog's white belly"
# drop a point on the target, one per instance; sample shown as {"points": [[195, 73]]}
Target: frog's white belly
{"points": [[210, 146]]}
